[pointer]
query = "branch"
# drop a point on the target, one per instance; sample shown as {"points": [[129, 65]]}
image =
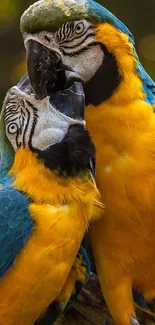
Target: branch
{"points": [[90, 308]]}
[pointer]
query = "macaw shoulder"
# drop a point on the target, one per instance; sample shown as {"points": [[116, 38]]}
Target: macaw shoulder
{"points": [[15, 225], [57, 202], [45, 186], [18, 220]]}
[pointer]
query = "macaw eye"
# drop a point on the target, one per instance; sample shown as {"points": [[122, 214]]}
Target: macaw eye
{"points": [[12, 128], [79, 28]]}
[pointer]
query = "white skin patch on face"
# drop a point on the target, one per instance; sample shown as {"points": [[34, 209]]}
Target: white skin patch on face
{"points": [[85, 65], [76, 44], [27, 118], [51, 126]]}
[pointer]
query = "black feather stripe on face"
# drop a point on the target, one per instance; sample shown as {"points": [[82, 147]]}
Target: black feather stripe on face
{"points": [[74, 36], [72, 155], [20, 119], [104, 82]]}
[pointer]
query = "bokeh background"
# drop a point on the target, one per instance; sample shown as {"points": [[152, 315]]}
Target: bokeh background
{"points": [[138, 15]]}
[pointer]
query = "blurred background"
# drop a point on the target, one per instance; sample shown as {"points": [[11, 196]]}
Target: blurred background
{"points": [[138, 15]]}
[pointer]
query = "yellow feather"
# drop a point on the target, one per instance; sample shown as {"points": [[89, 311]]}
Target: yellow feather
{"points": [[123, 130], [61, 210], [119, 45]]}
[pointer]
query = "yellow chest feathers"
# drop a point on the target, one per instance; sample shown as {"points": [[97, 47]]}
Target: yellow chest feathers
{"points": [[44, 186], [124, 137], [61, 208]]}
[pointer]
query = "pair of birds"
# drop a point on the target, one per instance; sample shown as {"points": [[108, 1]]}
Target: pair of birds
{"points": [[69, 42]]}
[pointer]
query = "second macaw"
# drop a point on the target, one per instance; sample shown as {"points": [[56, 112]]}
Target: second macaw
{"points": [[120, 97], [47, 199]]}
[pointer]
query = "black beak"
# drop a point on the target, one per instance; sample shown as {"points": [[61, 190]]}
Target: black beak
{"points": [[70, 101], [46, 73], [41, 65]]}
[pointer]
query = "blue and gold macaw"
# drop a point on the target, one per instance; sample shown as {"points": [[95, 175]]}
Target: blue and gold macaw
{"points": [[120, 97], [47, 199]]}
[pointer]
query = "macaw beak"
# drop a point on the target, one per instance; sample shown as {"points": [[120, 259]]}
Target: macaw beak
{"points": [[47, 77], [41, 65], [70, 101]]}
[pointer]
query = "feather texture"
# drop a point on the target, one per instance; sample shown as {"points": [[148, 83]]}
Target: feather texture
{"points": [[15, 224]]}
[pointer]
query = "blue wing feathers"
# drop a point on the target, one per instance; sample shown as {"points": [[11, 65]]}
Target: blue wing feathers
{"points": [[15, 225], [103, 14], [148, 84]]}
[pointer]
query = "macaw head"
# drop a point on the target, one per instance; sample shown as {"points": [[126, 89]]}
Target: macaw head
{"points": [[96, 47], [53, 127], [41, 123]]}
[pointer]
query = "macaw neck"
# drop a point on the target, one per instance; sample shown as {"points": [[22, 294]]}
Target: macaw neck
{"points": [[6, 155], [43, 185], [129, 90], [119, 45], [117, 126]]}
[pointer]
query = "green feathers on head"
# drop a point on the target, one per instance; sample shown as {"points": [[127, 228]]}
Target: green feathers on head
{"points": [[49, 15]]}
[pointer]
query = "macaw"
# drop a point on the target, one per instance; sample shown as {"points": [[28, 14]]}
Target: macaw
{"points": [[47, 199], [120, 98]]}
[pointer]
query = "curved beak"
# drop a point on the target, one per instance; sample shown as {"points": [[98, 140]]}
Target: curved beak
{"points": [[46, 68], [70, 101], [41, 65]]}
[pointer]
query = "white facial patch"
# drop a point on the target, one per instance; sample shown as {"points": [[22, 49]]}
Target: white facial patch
{"points": [[30, 120], [51, 126], [76, 44], [84, 64]]}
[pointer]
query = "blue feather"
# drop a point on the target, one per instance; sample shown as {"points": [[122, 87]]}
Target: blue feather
{"points": [[101, 14], [15, 224], [148, 84], [138, 298]]}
